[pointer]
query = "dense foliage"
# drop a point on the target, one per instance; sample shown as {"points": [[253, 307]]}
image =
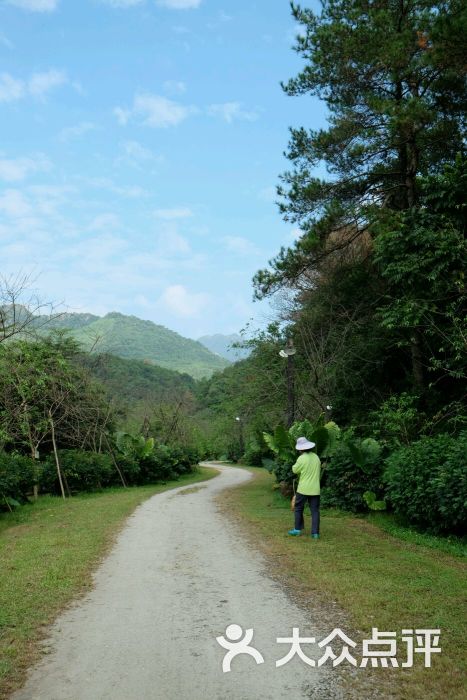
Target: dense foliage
{"points": [[373, 292], [427, 483], [17, 474], [58, 425]]}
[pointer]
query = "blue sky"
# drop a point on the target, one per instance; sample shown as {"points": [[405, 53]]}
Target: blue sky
{"points": [[142, 141]]}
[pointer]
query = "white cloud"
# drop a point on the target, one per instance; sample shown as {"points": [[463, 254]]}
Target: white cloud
{"points": [[159, 112], [122, 115], [240, 245], [4, 41], [10, 88], [104, 222], [14, 205], [171, 243], [179, 4], [127, 191], [41, 83], [171, 214], [155, 111], [174, 87], [16, 169], [35, 5], [122, 3], [231, 111], [135, 151], [184, 302], [38, 85], [73, 132]]}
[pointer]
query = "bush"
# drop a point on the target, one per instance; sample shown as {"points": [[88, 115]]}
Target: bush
{"points": [[398, 420], [17, 478], [82, 471], [427, 483], [254, 454], [346, 482], [129, 467], [165, 463]]}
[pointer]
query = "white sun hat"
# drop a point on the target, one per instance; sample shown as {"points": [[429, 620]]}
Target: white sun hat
{"points": [[304, 444]]}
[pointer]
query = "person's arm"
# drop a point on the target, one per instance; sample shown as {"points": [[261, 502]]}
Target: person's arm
{"points": [[297, 467]]}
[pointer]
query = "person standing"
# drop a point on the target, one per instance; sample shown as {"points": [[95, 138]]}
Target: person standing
{"points": [[308, 469]]}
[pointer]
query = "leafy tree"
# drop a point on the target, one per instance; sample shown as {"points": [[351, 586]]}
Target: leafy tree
{"points": [[48, 402], [377, 278], [422, 255]]}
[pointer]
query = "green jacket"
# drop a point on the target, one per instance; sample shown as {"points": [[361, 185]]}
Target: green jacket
{"points": [[308, 467]]}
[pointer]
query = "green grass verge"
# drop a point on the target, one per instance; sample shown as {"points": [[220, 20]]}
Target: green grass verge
{"points": [[48, 551], [379, 580]]}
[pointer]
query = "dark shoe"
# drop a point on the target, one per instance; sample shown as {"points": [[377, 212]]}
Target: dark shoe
{"points": [[315, 537]]}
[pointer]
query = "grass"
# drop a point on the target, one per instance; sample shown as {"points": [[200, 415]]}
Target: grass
{"points": [[48, 551], [378, 579], [456, 546]]}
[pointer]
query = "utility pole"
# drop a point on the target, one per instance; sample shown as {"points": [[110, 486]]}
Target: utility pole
{"points": [[240, 435], [289, 353]]}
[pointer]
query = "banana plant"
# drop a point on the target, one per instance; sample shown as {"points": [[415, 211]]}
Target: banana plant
{"points": [[135, 446], [364, 453], [282, 443], [370, 499]]}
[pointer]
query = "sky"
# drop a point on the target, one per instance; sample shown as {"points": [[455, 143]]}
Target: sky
{"points": [[142, 141]]}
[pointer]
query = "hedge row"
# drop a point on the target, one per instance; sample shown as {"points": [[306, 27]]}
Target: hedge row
{"points": [[88, 471], [425, 483]]}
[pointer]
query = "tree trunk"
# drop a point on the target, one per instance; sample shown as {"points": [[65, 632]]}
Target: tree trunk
{"points": [[57, 461], [290, 391], [120, 473], [417, 362]]}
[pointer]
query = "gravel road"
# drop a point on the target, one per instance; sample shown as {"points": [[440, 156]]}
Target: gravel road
{"points": [[178, 575]]}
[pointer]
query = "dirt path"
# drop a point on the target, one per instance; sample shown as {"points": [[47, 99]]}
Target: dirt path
{"points": [[176, 578]]}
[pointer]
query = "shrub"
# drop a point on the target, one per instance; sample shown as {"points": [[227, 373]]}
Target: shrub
{"points": [[129, 467], [427, 483], [255, 453], [347, 481], [17, 478], [166, 463], [82, 471], [398, 420]]}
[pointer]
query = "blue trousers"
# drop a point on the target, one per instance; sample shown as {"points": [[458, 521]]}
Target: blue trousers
{"points": [[313, 502]]}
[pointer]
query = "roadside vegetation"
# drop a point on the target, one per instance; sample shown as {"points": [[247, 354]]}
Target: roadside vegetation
{"points": [[366, 353], [373, 578], [48, 552]]}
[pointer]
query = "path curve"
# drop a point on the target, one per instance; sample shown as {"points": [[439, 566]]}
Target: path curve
{"points": [[176, 577]]}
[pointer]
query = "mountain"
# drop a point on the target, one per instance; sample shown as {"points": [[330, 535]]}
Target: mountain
{"points": [[132, 338], [135, 380], [72, 320], [222, 345]]}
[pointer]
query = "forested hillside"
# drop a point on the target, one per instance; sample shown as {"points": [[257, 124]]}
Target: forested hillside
{"points": [[132, 338]]}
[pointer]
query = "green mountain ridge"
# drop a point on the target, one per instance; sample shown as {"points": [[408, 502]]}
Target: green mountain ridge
{"points": [[128, 380], [130, 337]]}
